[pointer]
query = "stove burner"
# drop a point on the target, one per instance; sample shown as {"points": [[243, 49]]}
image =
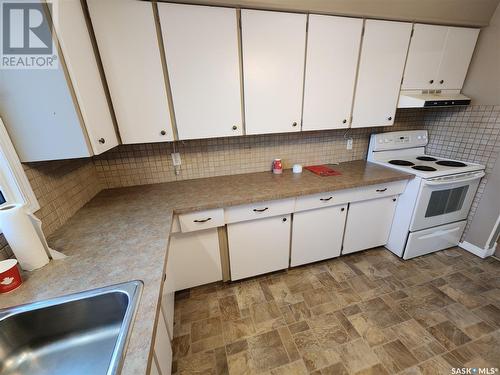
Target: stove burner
{"points": [[426, 158], [449, 163], [424, 168], [401, 162]]}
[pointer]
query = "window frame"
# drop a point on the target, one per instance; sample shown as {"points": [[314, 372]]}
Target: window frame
{"points": [[13, 180]]}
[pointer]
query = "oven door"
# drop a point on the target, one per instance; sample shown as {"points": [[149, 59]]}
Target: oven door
{"points": [[443, 200]]}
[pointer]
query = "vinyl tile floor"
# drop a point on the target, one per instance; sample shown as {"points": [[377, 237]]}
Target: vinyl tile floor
{"points": [[365, 313]]}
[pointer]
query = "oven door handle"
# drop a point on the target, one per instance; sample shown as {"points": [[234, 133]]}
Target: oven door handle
{"points": [[444, 181]]}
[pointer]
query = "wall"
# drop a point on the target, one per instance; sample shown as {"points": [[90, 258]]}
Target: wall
{"points": [[129, 165], [483, 78], [488, 210], [61, 187], [459, 12]]}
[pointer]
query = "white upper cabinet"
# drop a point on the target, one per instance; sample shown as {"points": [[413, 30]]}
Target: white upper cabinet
{"points": [[331, 64], [273, 46], [201, 48], [383, 55], [126, 36], [59, 113], [426, 49], [82, 66], [457, 54], [439, 57]]}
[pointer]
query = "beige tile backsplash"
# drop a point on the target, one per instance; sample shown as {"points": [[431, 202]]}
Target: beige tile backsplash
{"points": [[62, 187]]}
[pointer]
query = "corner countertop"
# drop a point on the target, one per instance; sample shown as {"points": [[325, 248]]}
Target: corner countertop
{"points": [[122, 234]]}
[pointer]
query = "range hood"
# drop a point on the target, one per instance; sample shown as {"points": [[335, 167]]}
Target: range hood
{"points": [[432, 98]]}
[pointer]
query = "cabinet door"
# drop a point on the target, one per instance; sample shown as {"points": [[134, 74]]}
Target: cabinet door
{"points": [[195, 258], [258, 246], [426, 49], [383, 55], [163, 348], [201, 48], [317, 234], [273, 46], [457, 54], [368, 224], [83, 70], [331, 65], [128, 44]]}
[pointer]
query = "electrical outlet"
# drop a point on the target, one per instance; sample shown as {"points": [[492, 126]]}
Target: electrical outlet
{"points": [[349, 143], [176, 159]]}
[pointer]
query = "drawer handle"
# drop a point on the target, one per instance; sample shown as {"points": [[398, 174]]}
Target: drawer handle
{"points": [[260, 209], [381, 190], [202, 220], [325, 199]]}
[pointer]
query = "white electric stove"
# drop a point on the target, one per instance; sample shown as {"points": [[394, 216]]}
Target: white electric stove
{"points": [[431, 214]]}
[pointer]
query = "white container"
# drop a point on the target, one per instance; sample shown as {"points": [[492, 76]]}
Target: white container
{"points": [[22, 237], [297, 168]]}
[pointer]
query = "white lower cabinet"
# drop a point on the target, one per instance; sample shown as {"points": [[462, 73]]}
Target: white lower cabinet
{"points": [[259, 246], [162, 349], [317, 234], [194, 258], [368, 224]]}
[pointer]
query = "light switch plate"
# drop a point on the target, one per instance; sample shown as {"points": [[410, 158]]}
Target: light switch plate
{"points": [[176, 159], [349, 143]]}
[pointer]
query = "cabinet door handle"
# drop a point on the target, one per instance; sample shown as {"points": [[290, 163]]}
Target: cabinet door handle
{"points": [[163, 132], [260, 209], [202, 220], [325, 199], [102, 141], [381, 190]]}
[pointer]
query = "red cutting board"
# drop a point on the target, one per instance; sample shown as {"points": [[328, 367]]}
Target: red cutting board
{"points": [[322, 170]]}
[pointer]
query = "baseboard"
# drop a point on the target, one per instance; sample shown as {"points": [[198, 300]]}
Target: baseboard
{"points": [[476, 250]]}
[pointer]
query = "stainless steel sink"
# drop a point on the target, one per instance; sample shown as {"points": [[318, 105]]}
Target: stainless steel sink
{"points": [[82, 333]]}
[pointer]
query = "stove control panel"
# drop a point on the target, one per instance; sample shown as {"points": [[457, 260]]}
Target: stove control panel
{"points": [[398, 140]]}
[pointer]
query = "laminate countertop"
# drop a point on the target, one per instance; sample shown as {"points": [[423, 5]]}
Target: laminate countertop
{"points": [[122, 234]]}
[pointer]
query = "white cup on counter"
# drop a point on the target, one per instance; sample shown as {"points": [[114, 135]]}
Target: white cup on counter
{"points": [[297, 168]]}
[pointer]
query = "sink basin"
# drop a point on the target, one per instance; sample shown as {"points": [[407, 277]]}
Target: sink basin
{"points": [[82, 333]]}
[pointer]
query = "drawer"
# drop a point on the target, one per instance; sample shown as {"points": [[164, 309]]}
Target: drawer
{"points": [[259, 210], [380, 190], [200, 220], [327, 199]]}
